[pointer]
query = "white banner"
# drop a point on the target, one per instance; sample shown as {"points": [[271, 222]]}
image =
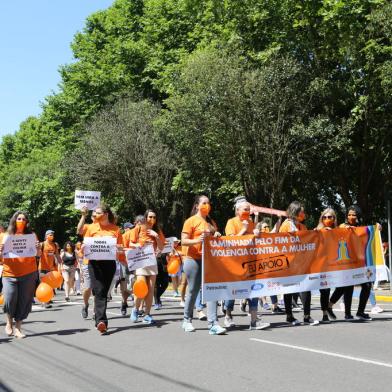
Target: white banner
{"points": [[141, 257], [20, 246], [168, 248], [89, 199], [285, 285], [100, 248]]}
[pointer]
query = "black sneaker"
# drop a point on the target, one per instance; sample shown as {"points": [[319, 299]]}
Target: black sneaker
{"points": [[348, 317], [310, 321], [331, 313], [66, 299], [277, 310], [243, 307], [84, 311], [363, 317], [47, 306], [325, 319], [124, 308], [292, 320]]}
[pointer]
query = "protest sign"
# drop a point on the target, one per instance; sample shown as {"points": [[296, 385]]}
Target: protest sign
{"points": [[89, 199], [20, 246], [141, 257], [100, 248]]}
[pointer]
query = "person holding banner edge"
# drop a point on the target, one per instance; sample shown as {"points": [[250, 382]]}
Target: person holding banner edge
{"points": [[241, 224], [327, 221], [102, 271], [19, 278], [294, 222], [195, 230]]}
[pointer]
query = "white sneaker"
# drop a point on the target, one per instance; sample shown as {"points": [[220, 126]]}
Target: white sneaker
{"points": [[310, 321], [201, 315], [217, 330], [182, 304], [228, 322], [376, 309], [187, 326], [257, 325]]}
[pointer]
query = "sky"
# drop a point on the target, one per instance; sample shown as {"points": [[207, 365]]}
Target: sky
{"points": [[35, 38]]}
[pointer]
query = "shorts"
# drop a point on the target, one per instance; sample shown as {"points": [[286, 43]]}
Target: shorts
{"points": [[147, 271], [68, 271], [124, 272], [86, 276]]}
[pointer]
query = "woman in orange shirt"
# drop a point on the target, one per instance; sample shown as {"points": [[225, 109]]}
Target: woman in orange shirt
{"points": [[19, 278], [147, 232], [327, 221], [195, 229], [293, 223], [102, 271]]}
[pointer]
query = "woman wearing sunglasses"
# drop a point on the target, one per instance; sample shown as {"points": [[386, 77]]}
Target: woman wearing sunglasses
{"points": [[19, 278], [327, 221], [294, 222]]}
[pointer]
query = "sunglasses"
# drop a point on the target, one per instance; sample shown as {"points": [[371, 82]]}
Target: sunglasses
{"points": [[328, 217]]}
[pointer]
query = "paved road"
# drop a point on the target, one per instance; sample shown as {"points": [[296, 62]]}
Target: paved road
{"points": [[64, 352]]}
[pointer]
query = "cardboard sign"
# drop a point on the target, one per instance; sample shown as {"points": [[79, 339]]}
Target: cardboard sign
{"points": [[169, 245], [20, 246], [100, 248], [89, 199], [141, 257]]}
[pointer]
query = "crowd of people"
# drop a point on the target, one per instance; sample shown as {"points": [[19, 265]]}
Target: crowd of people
{"points": [[97, 278]]}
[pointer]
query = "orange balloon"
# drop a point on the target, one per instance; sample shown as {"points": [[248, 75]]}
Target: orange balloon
{"points": [[140, 289], [1, 299], [44, 292], [53, 279], [173, 265]]}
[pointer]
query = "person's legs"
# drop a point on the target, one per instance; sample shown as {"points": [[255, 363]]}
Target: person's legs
{"points": [[324, 300], [10, 292], [229, 307], [288, 303], [306, 301], [363, 297], [192, 269], [77, 281], [336, 295], [102, 276], [65, 273], [184, 285], [148, 300], [348, 299]]}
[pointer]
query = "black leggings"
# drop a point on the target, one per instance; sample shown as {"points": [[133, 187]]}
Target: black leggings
{"points": [[364, 296], [161, 283], [305, 299], [324, 299], [102, 273], [347, 293]]}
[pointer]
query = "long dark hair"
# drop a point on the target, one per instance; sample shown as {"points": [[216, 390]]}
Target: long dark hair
{"points": [[12, 225], [68, 243], [357, 211], [107, 210], [294, 209], [194, 207], [156, 227]]}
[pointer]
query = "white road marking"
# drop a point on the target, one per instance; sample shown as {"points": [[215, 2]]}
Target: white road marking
{"points": [[322, 352]]}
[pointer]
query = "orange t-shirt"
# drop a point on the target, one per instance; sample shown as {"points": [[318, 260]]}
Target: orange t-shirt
{"points": [[47, 259], [194, 227], [139, 235], [129, 237], [288, 226], [18, 266], [234, 226]]}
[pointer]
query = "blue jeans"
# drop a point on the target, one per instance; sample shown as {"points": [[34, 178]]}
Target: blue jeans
{"points": [[229, 304], [372, 298], [199, 305]]}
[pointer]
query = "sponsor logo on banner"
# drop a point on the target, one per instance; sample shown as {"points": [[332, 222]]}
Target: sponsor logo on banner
{"points": [[291, 284], [240, 291], [220, 287], [257, 287], [359, 276], [343, 251], [369, 273], [314, 277], [270, 264]]}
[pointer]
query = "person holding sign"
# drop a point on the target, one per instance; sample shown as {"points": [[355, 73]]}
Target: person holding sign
{"points": [[327, 221], [295, 217], [147, 232], [241, 224], [195, 229], [353, 219], [102, 270], [19, 276]]}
